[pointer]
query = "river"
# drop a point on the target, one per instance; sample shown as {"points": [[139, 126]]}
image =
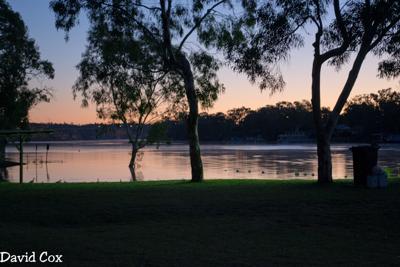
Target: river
{"points": [[91, 161]]}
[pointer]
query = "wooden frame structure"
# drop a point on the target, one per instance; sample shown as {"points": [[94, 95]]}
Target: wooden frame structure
{"points": [[21, 134]]}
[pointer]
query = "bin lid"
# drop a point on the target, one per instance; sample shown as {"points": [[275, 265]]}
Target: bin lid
{"points": [[364, 147]]}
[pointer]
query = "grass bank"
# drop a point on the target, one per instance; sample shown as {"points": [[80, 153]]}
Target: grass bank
{"points": [[215, 223]]}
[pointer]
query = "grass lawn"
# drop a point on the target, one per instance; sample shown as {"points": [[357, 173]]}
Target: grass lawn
{"points": [[215, 223]]}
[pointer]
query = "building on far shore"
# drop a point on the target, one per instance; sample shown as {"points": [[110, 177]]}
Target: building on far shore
{"points": [[294, 137]]}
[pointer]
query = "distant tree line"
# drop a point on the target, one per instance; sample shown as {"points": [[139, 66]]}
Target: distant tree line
{"points": [[364, 116], [370, 114]]}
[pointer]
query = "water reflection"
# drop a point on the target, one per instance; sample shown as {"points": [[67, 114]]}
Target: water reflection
{"points": [[108, 161]]}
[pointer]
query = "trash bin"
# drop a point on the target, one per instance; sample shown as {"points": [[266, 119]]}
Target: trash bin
{"points": [[365, 158]]}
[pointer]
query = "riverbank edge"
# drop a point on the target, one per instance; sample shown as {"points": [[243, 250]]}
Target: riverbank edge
{"points": [[183, 182]]}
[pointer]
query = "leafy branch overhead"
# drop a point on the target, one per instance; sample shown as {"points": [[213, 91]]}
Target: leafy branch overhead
{"points": [[259, 37], [141, 22]]}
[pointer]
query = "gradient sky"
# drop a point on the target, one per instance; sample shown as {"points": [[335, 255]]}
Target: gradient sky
{"points": [[239, 92]]}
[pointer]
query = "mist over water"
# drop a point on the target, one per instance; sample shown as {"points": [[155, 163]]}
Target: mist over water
{"points": [[91, 161]]}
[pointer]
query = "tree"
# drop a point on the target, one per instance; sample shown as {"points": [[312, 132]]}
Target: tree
{"points": [[238, 114], [215, 127], [20, 62], [362, 114], [116, 73], [283, 117], [388, 102], [166, 28], [345, 32], [374, 113], [157, 134]]}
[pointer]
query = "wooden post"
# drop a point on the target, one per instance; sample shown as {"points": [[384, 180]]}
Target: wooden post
{"points": [[21, 159]]}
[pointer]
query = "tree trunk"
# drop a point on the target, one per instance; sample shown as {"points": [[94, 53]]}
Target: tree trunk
{"points": [[132, 162], [324, 160], [192, 121], [3, 143], [323, 140], [325, 136]]}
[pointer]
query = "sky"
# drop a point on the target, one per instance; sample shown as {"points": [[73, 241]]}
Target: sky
{"points": [[239, 91]]}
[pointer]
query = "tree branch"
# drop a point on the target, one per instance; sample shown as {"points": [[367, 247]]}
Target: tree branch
{"points": [[340, 22], [384, 33], [198, 23], [146, 30], [351, 79], [152, 8], [165, 17]]}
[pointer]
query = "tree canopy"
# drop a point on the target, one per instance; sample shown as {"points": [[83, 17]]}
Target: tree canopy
{"points": [[20, 63], [139, 21], [260, 37], [167, 28]]}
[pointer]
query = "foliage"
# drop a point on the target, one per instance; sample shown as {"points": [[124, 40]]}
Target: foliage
{"points": [[117, 74], [374, 113], [266, 122], [259, 38], [143, 23], [20, 63], [165, 28], [157, 133], [364, 115], [283, 117], [238, 114]]}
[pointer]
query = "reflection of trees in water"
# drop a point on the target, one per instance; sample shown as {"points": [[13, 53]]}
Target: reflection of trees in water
{"points": [[47, 173], [390, 159], [271, 163], [262, 164], [255, 164], [290, 164], [250, 164]]}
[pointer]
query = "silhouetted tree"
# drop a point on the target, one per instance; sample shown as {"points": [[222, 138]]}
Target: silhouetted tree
{"points": [[238, 114], [374, 113], [215, 127], [344, 31], [267, 123], [20, 62], [117, 74], [166, 27], [283, 117], [157, 133], [388, 102], [362, 114]]}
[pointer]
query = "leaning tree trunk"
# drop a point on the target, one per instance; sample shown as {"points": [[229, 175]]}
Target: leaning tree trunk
{"points": [[192, 121], [132, 162]]}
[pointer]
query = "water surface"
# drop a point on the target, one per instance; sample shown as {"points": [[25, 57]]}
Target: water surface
{"points": [[89, 161]]}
